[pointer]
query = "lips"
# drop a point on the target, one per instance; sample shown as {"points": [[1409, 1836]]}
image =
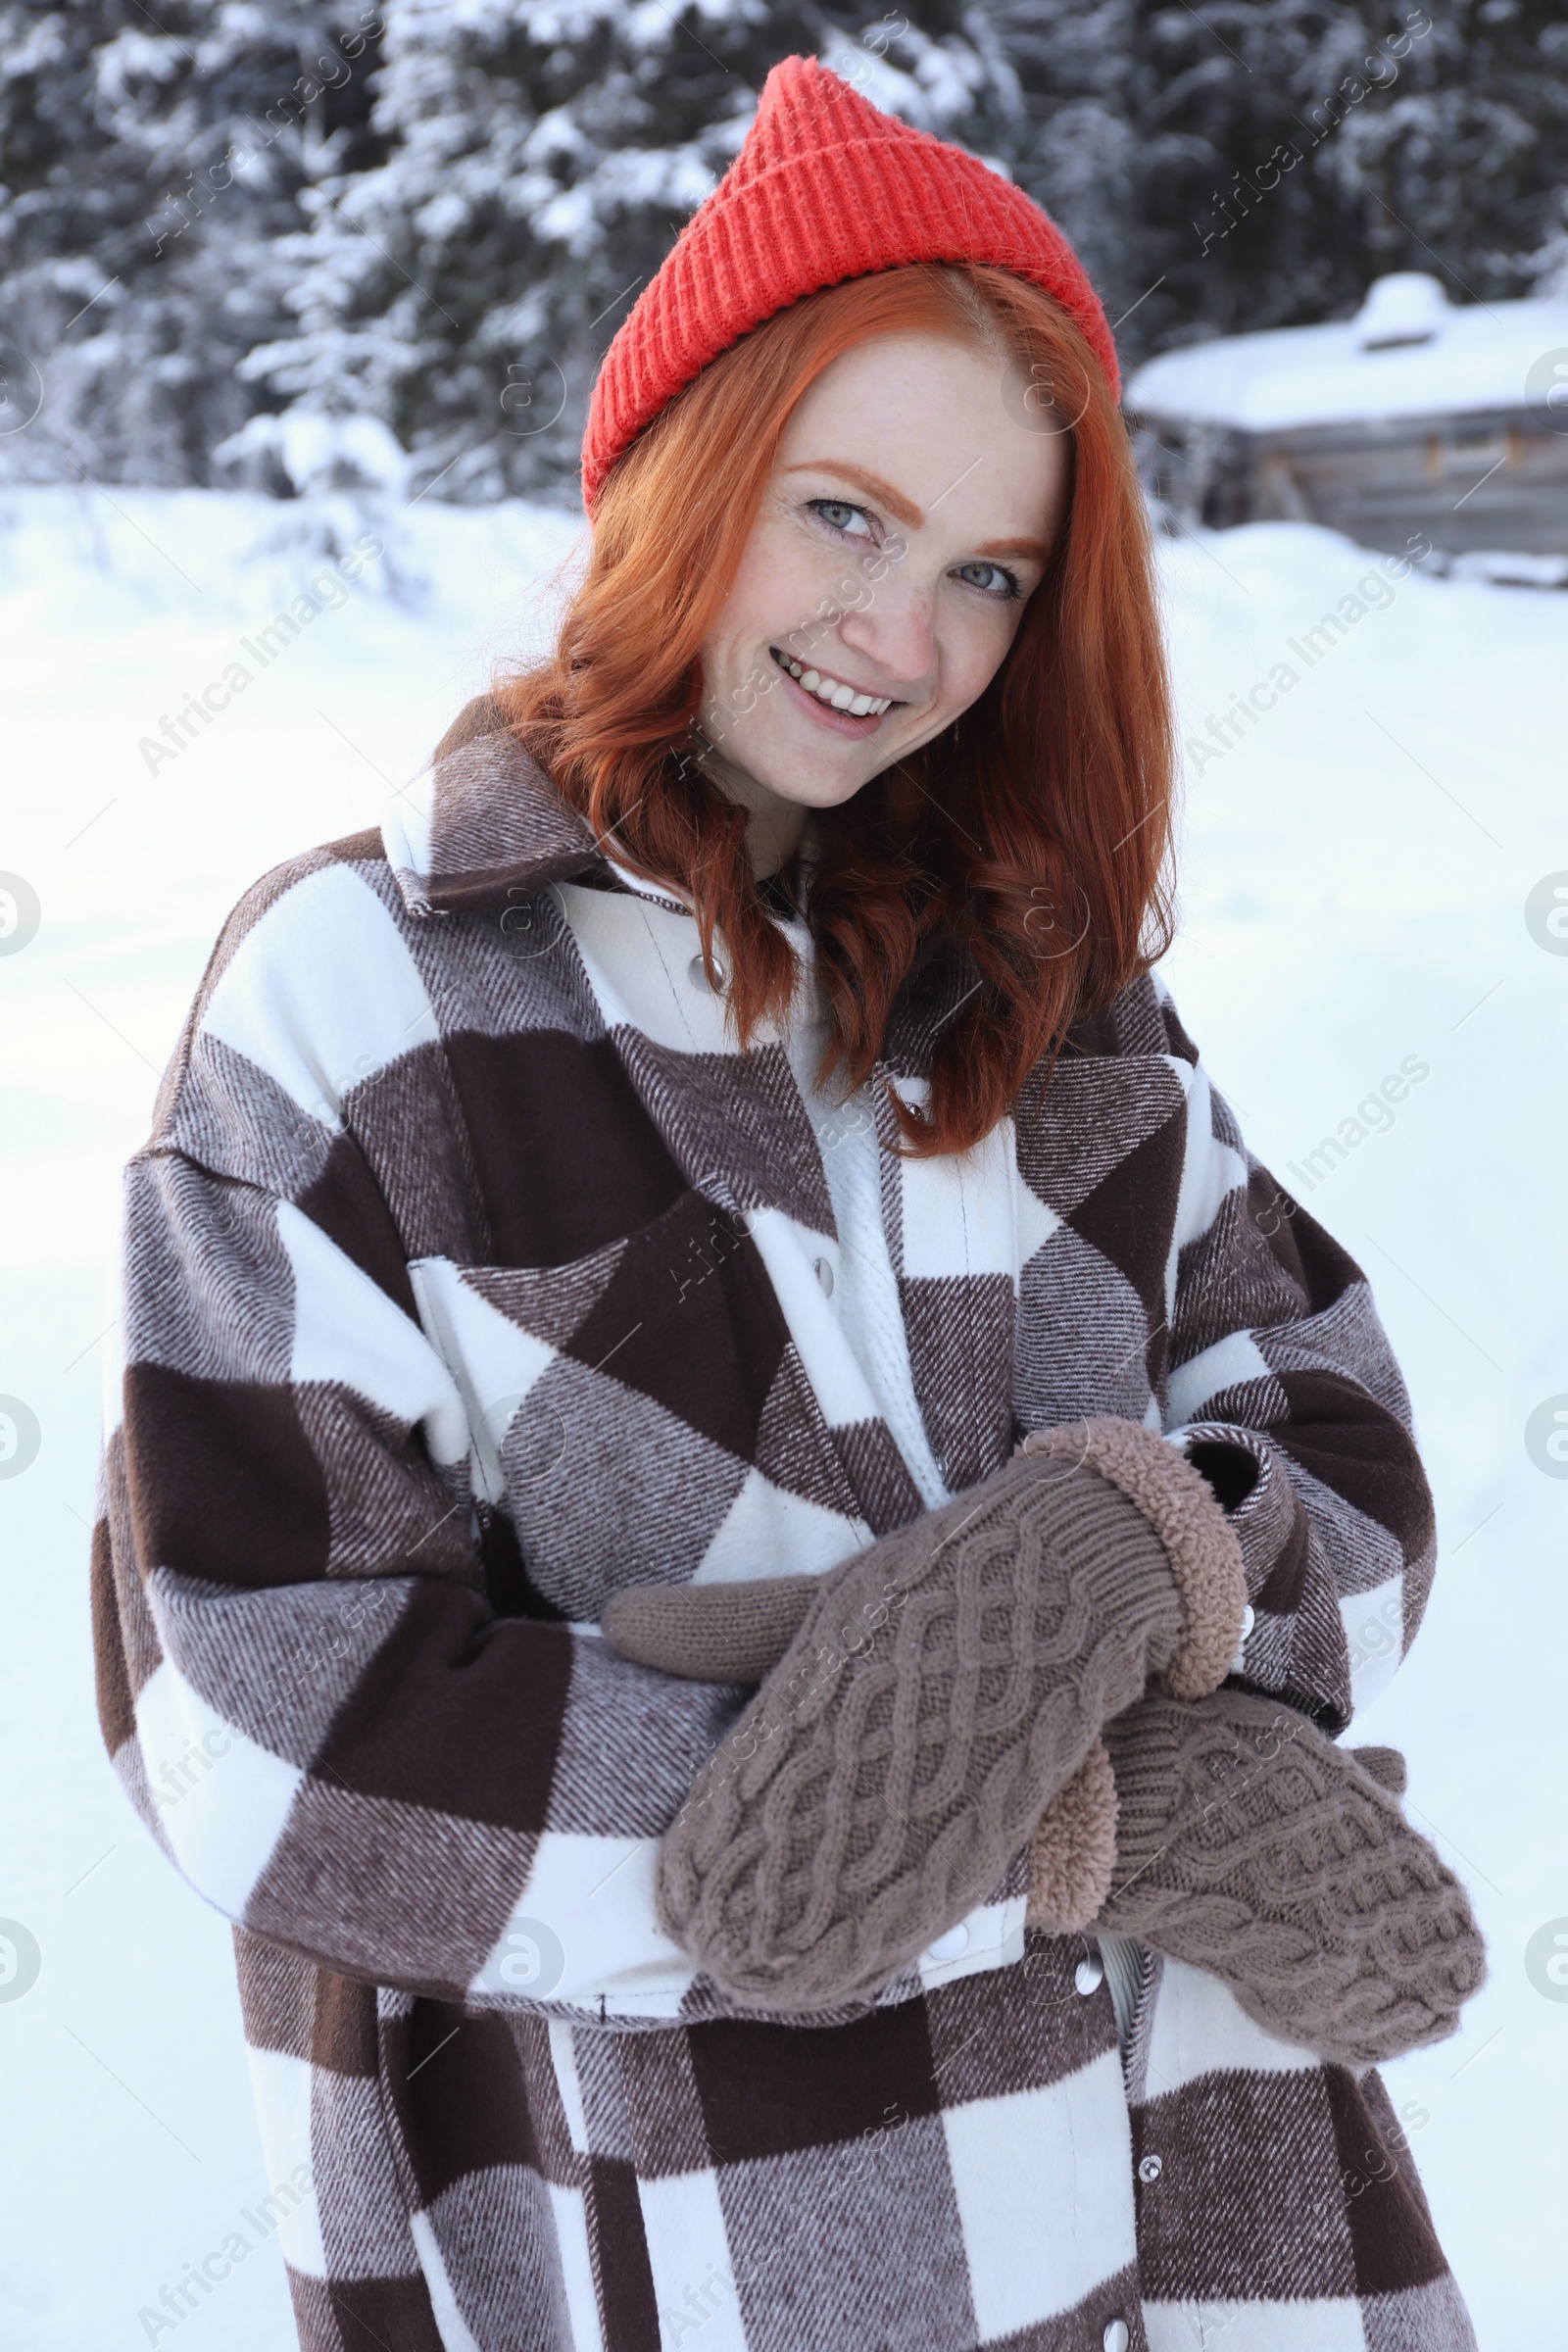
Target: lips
{"points": [[836, 693]]}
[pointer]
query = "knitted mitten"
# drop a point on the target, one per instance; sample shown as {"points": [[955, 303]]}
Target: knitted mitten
{"points": [[729, 1633], [942, 1685], [1250, 1846], [734, 1632]]}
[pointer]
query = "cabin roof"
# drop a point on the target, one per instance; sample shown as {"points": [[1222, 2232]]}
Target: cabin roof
{"points": [[1407, 352]]}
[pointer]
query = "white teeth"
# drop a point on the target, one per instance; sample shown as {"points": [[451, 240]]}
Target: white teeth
{"points": [[835, 693]]}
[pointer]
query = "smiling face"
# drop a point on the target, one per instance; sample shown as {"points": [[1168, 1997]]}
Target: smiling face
{"points": [[905, 524]]}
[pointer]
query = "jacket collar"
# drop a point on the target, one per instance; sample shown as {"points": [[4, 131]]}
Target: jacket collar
{"points": [[482, 827]]}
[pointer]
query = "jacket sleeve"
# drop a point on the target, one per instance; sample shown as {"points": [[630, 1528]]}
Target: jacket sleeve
{"points": [[302, 1680], [1284, 1391]]}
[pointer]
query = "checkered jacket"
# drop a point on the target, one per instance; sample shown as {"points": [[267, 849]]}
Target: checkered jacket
{"points": [[469, 1274]]}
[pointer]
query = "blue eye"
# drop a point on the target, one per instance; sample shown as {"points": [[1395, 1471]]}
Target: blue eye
{"points": [[1007, 589], [840, 515]]}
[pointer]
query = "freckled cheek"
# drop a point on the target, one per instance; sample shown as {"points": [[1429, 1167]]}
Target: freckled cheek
{"points": [[780, 585], [965, 665], [982, 655]]}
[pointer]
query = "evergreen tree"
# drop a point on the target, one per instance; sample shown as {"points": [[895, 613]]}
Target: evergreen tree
{"points": [[541, 157], [147, 171], [1257, 163], [256, 241]]}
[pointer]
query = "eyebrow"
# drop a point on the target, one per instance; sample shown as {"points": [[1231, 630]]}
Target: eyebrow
{"points": [[902, 509], [1036, 549]]}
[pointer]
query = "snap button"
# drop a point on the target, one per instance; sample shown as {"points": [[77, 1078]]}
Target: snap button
{"points": [[698, 977], [950, 1945], [1115, 2336], [1088, 1975], [1149, 2167], [824, 1275]]}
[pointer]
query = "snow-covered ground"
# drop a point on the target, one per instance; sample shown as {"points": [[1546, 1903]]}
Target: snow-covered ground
{"points": [[1357, 881]]}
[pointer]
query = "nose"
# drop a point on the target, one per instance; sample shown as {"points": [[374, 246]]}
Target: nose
{"points": [[896, 632]]}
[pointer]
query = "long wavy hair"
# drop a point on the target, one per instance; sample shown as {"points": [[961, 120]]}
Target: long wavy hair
{"points": [[1025, 850]]}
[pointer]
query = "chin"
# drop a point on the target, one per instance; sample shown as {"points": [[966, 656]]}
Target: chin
{"points": [[818, 791]]}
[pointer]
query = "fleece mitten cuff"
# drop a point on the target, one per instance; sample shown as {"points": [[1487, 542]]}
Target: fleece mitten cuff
{"points": [[943, 1686], [1250, 1845]]}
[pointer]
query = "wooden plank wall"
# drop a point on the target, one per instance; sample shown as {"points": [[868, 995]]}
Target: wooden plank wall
{"points": [[1497, 481]]}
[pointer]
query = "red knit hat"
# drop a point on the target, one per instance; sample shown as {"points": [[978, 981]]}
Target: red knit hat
{"points": [[825, 187]]}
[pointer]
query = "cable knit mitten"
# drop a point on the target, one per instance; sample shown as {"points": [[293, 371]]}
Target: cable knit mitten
{"points": [[942, 1686], [1249, 1844]]}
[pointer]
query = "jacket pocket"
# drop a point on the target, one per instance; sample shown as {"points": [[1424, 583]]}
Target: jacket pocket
{"points": [[639, 1413]]}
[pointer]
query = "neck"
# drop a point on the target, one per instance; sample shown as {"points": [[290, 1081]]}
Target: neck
{"points": [[775, 827]]}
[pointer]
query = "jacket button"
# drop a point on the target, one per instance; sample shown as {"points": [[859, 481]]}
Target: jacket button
{"points": [[950, 1945], [1088, 1975], [824, 1275], [1237, 1664], [1115, 2336], [1149, 2167], [699, 977]]}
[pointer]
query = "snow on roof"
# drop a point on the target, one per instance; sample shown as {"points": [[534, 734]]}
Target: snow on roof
{"points": [[1408, 352]]}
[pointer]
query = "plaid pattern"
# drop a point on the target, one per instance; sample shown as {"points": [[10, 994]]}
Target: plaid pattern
{"points": [[468, 1275]]}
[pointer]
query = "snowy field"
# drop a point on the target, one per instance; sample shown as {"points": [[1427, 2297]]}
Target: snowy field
{"points": [[1357, 878]]}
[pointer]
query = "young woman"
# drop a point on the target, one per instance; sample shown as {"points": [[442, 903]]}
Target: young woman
{"points": [[714, 1194]]}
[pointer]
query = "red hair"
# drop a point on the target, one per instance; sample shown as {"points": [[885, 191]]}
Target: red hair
{"points": [[1025, 849]]}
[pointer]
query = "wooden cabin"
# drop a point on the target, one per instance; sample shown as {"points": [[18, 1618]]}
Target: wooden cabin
{"points": [[1417, 415]]}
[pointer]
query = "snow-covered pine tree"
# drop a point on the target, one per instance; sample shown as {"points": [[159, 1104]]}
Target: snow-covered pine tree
{"points": [[469, 252], [540, 158], [1464, 167], [1257, 163], [147, 169]]}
